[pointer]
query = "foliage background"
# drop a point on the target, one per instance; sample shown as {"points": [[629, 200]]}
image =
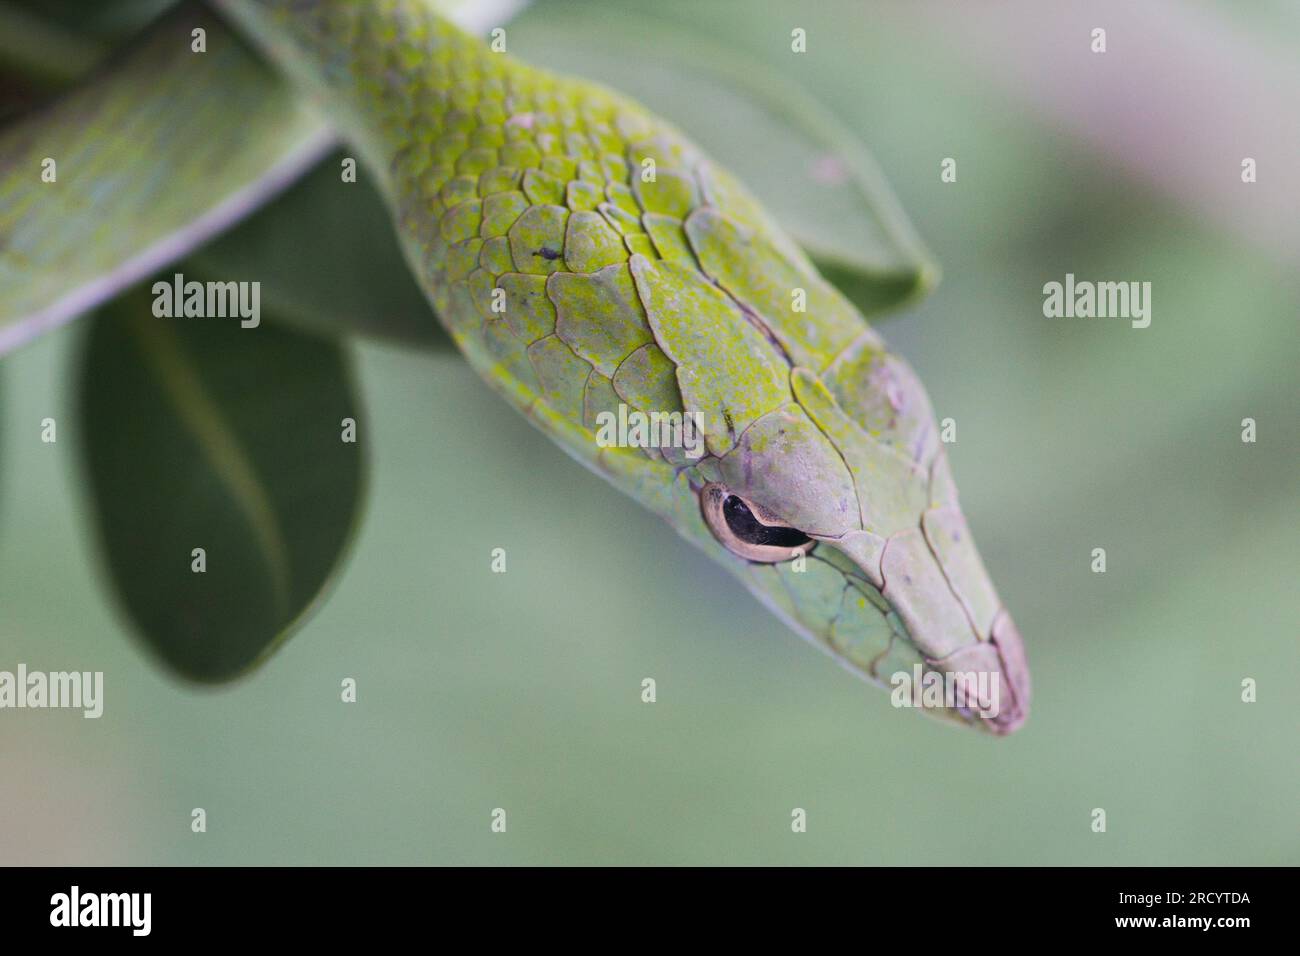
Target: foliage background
{"points": [[522, 691]]}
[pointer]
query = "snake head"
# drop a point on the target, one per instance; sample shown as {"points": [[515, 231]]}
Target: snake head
{"points": [[839, 512], [824, 484]]}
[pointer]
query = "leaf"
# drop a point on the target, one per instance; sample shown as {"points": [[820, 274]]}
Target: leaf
{"points": [[812, 173], [152, 158], [103, 20], [328, 260], [197, 433], [40, 52]]}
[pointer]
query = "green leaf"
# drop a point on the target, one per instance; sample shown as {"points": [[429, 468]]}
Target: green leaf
{"points": [[200, 434], [328, 260], [40, 52], [151, 159], [103, 20], [808, 169]]}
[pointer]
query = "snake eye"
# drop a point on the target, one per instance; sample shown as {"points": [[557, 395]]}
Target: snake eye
{"points": [[747, 531]]}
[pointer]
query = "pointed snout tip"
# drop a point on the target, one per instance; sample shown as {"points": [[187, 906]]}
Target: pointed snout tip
{"points": [[1014, 706], [990, 679]]}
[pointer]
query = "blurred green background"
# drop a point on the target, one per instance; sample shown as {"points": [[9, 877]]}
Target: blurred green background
{"points": [[522, 691]]}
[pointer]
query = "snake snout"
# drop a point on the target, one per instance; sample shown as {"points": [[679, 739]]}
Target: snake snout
{"points": [[937, 584], [999, 701], [1005, 638], [1014, 704]]}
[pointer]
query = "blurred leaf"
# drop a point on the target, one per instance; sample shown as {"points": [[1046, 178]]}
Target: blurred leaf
{"points": [[328, 260], [198, 433], [98, 19], [812, 173], [42, 52], [151, 161]]}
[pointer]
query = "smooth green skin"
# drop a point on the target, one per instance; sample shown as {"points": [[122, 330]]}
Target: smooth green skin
{"points": [[668, 295]]}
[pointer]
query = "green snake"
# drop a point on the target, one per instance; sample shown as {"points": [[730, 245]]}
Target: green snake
{"points": [[585, 255]]}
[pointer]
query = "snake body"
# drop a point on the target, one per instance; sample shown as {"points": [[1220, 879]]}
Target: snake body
{"points": [[585, 255]]}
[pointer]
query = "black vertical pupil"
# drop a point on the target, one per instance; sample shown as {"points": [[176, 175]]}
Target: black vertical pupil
{"points": [[749, 529]]}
